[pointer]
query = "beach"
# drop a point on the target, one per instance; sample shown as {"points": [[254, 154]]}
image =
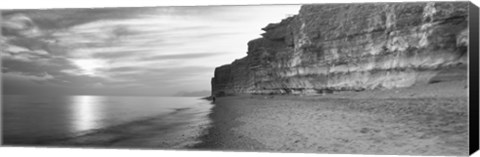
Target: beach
{"points": [[430, 119]]}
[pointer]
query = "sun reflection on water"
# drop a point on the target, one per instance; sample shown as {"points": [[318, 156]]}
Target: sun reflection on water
{"points": [[86, 111]]}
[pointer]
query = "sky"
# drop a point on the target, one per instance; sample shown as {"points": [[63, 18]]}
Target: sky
{"points": [[153, 51]]}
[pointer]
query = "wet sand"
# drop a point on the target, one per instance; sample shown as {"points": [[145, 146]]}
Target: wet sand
{"points": [[427, 119]]}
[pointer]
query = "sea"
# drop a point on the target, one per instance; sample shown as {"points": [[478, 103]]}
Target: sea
{"points": [[150, 122]]}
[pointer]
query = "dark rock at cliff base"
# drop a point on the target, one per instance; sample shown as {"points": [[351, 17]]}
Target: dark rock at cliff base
{"points": [[336, 47]]}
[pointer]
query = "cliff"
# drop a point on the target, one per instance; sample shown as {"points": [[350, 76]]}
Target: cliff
{"points": [[335, 47]]}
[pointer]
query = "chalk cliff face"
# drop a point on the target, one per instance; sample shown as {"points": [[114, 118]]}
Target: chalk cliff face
{"points": [[333, 47]]}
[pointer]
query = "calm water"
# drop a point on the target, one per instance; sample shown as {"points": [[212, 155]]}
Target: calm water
{"points": [[39, 119]]}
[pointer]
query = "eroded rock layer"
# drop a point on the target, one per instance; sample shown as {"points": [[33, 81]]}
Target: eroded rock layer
{"points": [[334, 47]]}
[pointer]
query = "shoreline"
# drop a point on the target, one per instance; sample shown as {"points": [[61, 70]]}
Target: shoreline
{"points": [[178, 129], [427, 119]]}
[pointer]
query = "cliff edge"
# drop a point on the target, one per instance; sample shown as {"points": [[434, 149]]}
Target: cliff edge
{"points": [[337, 47]]}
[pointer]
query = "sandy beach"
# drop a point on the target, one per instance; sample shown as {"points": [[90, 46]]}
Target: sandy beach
{"points": [[427, 119]]}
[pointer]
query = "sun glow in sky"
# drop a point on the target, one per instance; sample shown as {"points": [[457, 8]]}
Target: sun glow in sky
{"points": [[126, 51], [89, 66]]}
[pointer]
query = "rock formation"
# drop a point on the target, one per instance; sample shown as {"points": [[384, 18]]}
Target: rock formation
{"points": [[335, 47]]}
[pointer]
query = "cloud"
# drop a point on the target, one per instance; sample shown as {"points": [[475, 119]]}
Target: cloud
{"points": [[156, 50], [89, 66], [14, 48], [24, 57], [19, 24], [65, 18], [13, 52], [124, 69], [23, 76], [182, 56], [156, 77], [35, 63], [28, 43], [114, 54]]}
